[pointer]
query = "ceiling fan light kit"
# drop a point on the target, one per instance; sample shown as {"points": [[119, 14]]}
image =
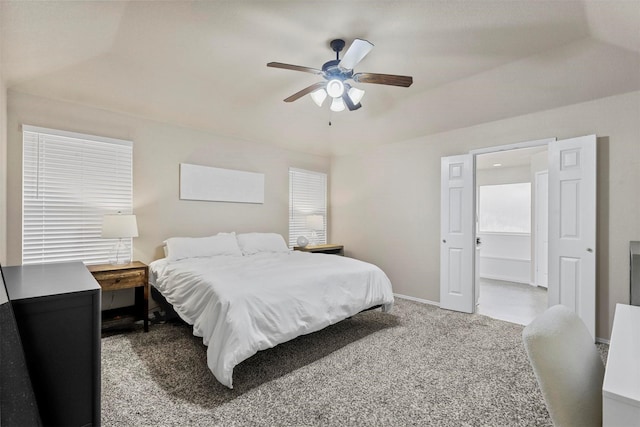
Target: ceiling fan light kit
{"points": [[318, 96], [337, 105], [336, 72], [335, 88], [355, 94]]}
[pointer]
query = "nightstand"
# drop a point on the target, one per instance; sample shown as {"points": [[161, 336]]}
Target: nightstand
{"points": [[322, 249], [115, 277]]}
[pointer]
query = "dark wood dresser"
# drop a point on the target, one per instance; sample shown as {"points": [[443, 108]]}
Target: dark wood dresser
{"points": [[57, 309]]}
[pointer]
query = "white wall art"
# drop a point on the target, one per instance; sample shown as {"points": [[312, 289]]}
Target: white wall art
{"points": [[220, 185]]}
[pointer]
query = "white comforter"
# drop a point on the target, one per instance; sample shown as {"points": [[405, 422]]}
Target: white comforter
{"points": [[241, 305]]}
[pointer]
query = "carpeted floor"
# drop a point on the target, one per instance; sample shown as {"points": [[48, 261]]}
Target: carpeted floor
{"points": [[418, 365]]}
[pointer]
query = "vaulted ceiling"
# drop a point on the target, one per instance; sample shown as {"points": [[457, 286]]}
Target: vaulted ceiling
{"points": [[203, 64]]}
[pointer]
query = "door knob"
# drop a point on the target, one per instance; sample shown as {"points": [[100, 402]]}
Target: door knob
{"points": [[444, 241], [589, 250]]}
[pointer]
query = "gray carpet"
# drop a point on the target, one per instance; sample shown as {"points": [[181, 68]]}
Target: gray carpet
{"points": [[418, 365]]}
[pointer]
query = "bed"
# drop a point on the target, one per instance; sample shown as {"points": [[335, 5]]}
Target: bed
{"points": [[248, 292]]}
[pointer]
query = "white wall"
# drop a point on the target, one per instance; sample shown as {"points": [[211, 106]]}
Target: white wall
{"points": [[385, 202], [157, 151], [505, 256]]}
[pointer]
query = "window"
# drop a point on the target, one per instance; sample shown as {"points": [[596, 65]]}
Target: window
{"points": [[505, 208], [307, 206], [69, 181]]}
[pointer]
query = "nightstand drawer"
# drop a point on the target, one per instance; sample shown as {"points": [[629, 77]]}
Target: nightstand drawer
{"points": [[120, 279]]}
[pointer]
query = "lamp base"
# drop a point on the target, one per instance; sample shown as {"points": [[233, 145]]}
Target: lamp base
{"points": [[119, 255]]}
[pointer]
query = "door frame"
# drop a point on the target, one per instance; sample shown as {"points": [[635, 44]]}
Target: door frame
{"points": [[474, 154], [538, 243]]}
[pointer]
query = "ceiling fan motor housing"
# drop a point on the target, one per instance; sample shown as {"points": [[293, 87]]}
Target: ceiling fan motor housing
{"points": [[330, 70]]}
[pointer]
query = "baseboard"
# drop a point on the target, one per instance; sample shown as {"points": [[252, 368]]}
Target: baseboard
{"points": [[423, 301], [602, 341]]}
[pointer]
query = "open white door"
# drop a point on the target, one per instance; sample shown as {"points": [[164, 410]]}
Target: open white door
{"points": [[456, 227], [572, 227]]}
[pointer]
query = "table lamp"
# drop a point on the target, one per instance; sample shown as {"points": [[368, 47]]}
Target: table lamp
{"points": [[119, 226], [315, 223]]}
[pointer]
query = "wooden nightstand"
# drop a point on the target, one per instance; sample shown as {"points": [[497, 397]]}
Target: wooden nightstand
{"points": [[322, 249], [115, 277]]}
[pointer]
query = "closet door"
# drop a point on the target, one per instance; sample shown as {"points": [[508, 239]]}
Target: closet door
{"points": [[457, 249]]}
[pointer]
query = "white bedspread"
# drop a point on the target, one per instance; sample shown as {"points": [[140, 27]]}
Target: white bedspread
{"points": [[241, 305]]}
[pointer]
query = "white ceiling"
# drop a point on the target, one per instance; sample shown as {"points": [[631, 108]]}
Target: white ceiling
{"points": [[203, 64]]}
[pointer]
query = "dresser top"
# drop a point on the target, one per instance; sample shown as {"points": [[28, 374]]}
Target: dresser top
{"points": [[37, 280], [622, 373]]}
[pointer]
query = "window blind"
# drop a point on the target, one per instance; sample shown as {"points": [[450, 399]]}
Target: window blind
{"points": [[69, 182], [307, 206]]}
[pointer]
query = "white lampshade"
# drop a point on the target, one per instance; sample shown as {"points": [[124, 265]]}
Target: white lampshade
{"points": [[335, 88], [337, 105], [318, 96], [119, 226], [315, 222], [355, 94]]}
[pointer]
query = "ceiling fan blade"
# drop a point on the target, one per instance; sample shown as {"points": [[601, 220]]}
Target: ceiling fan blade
{"points": [[358, 50], [349, 103], [305, 91], [294, 67], [383, 79]]}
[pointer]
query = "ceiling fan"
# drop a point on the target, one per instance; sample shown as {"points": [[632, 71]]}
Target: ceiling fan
{"points": [[336, 74]]}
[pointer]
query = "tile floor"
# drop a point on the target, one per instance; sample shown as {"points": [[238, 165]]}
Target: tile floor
{"points": [[513, 302]]}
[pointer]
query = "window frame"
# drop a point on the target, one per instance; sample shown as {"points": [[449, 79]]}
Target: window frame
{"points": [[302, 208], [69, 182], [480, 210]]}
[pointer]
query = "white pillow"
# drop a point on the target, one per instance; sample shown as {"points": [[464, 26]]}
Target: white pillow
{"points": [[253, 243], [196, 247]]}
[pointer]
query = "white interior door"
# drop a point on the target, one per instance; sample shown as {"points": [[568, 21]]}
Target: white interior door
{"points": [[542, 228], [572, 226], [456, 247]]}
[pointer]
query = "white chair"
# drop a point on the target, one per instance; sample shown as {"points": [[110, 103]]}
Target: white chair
{"points": [[567, 366]]}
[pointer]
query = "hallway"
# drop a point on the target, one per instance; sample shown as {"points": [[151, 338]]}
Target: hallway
{"points": [[513, 302]]}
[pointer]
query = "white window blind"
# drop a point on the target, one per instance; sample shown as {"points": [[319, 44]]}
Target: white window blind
{"points": [[69, 182], [505, 208], [307, 206]]}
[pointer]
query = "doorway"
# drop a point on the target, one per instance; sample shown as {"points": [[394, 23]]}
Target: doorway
{"points": [[572, 226], [511, 203]]}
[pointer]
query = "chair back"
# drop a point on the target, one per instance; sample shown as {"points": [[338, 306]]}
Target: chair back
{"points": [[567, 366]]}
